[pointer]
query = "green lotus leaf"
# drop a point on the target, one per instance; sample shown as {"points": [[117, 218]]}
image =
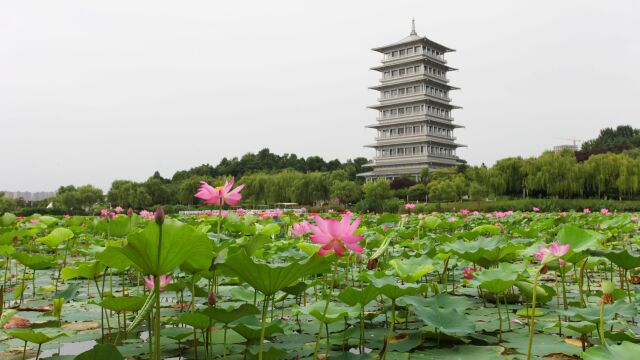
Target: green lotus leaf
{"points": [[231, 313], [308, 248], [592, 312], [249, 328], [430, 222], [487, 229], [112, 257], [389, 288], [269, 279], [36, 337], [623, 258], [196, 320], [182, 245], [176, 333], [544, 293], [68, 293], [334, 313], [412, 269], [35, 261], [448, 321], [83, 270], [123, 303], [579, 239], [352, 296], [56, 237], [461, 352], [101, 352], [271, 229], [6, 250], [624, 351], [497, 280], [120, 226], [442, 300]]}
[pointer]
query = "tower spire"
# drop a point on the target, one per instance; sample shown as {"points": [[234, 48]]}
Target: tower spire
{"points": [[413, 27]]}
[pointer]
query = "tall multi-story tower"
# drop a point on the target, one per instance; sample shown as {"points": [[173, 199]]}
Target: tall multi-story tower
{"points": [[414, 125]]}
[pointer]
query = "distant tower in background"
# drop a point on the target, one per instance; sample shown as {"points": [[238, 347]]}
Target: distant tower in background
{"points": [[414, 125]]}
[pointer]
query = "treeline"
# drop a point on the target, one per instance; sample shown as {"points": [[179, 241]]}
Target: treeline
{"points": [[619, 139], [272, 178]]}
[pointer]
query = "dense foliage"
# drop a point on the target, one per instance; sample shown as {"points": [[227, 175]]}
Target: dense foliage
{"points": [[507, 285]]}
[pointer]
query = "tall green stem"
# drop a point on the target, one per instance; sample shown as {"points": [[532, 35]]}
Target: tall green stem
{"points": [[324, 312], [533, 311], [601, 323], [156, 284], [265, 308]]}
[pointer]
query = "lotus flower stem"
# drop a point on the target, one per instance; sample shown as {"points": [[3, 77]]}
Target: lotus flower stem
{"points": [[506, 307], [533, 310], [156, 284], [601, 323], [391, 328], [581, 282], [265, 308], [499, 317], [324, 312]]}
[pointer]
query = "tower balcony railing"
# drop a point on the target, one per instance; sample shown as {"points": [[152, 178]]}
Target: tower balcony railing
{"points": [[404, 136], [405, 156], [416, 75], [389, 59], [445, 98], [428, 113]]}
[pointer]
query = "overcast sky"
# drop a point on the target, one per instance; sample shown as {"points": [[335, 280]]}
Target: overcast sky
{"points": [[92, 91]]}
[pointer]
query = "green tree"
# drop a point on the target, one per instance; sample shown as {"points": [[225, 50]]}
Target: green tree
{"points": [[346, 191], [6, 204], [127, 193]]}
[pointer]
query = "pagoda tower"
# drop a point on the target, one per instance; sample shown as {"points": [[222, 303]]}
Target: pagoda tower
{"points": [[415, 123]]}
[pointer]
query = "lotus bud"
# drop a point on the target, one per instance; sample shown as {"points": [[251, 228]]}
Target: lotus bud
{"points": [[607, 287], [159, 217], [130, 212], [372, 264], [212, 299]]}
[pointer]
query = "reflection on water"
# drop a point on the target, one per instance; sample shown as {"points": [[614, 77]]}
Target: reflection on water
{"points": [[71, 348]]}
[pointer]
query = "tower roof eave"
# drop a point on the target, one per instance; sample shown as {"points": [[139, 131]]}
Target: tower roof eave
{"points": [[413, 38]]}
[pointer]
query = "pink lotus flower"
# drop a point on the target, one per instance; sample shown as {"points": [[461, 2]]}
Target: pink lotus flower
{"points": [[66, 216], [469, 270], [635, 219], [149, 282], [119, 209], [220, 195], [452, 219], [464, 212], [104, 212], [299, 229], [336, 235], [604, 211], [586, 211], [554, 251], [149, 215], [34, 221], [409, 206], [421, 216], [535, 209]]}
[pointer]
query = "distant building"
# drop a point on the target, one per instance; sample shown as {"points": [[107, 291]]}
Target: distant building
{"points": [[415, 125], [29, 196], [572, 147]]}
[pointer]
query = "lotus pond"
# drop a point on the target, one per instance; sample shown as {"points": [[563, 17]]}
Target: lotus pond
{"points": [[294, 285]]}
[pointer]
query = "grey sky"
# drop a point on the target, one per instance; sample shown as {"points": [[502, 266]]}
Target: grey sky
{"points": [[92, 91]]}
